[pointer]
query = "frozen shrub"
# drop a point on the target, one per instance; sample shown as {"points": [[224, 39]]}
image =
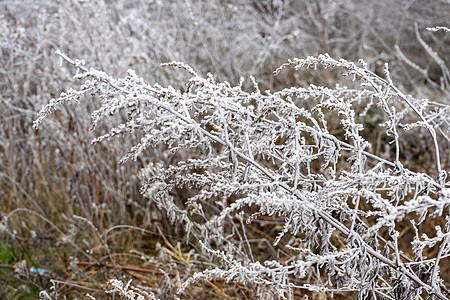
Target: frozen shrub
{"points": [[241, 155], [84, 209]]}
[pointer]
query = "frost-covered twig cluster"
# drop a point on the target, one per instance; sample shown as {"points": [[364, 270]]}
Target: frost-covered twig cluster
{"points": [[128, 291], [241, 155], [70, 208]]}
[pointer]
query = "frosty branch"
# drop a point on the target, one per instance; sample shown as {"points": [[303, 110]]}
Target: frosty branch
{"points": [[267, 151]]}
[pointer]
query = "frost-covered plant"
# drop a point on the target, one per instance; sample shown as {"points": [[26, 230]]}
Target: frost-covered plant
{"points": [[128, 291], [51, 176], [240, 156]]}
